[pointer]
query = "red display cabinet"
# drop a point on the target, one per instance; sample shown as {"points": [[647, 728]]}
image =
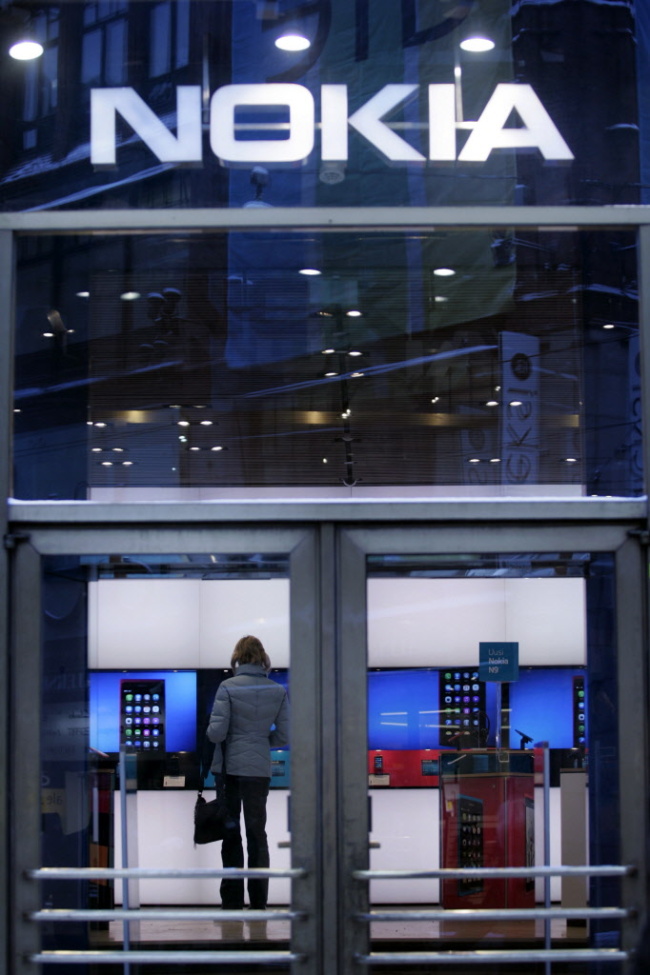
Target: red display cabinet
{"points": [[487, 820]]}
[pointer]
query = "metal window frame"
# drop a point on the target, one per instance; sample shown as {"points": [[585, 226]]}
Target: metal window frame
{"points": [[333, 558]]}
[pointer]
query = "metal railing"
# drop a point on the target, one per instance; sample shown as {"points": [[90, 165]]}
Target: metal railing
{"points": [[125, 956], [547, 955]]}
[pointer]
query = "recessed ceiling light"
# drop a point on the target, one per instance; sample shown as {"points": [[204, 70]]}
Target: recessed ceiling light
{"points": [[26, 50], [130, 296], [83, 294], [444, 272], [353, 313], [492, 402], [355, 352], [216, 448], [292, 42], [328, 351], [609, 325], [477, 44], [328, 375], [310, 272]]}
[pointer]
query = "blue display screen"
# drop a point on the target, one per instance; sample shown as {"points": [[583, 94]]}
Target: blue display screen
{"points": [[180, 705], [541, 704], [404, 709]]}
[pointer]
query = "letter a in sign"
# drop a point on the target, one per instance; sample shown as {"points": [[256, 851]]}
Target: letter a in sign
{"points": [[538, 131]]}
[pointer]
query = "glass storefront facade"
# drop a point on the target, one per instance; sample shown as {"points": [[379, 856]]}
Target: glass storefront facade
{"points": [[338, 340]]}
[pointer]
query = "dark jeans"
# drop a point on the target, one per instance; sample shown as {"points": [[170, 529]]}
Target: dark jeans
{"points": [[249, 792]]}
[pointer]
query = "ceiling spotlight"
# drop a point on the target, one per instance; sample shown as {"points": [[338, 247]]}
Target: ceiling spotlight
{"points": [[477, 43], [353, 313], [130, 296], [206, 423], [355, 352], [216, 448], [26, 49], [492, 402], [609, 325], [356, 375], [328, 375], [83, 294], [183, 423], [310, 272], [328, 351], [444, 272], [292, 42], [474, 460]]}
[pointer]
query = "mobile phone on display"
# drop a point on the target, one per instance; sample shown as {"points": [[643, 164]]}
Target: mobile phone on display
{"points": [[142, 716]]}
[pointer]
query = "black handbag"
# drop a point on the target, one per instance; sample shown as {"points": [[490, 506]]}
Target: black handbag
{"points": [[209, 819]]}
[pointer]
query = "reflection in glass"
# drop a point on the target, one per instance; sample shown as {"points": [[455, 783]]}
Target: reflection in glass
{"points": [[135, 647], [460, 762], [216, 365]]}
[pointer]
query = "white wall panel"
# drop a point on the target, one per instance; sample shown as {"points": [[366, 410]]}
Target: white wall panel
{"points": [[232, 608], [548, 619], [188, 623], [165, 822], [406, 824], [432, 622], [143, 623], [438, 622]]}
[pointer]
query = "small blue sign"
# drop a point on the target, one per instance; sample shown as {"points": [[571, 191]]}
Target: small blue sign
{"points": [[499, 661]]}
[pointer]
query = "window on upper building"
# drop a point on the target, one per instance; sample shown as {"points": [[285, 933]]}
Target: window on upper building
{"points": [[169, 37], [104, 43], [41, 76]]}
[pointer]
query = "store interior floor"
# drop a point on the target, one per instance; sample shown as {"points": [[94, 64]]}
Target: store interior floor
{"points": [[454, 932]]}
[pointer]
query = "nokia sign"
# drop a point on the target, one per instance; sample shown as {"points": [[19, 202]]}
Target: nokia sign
{"points": [[536, 129]]}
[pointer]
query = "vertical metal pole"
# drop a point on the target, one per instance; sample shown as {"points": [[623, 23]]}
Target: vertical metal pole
{"points": [[353, 745], [547, 849], [126, 925], [308, 795], [6, 419]]}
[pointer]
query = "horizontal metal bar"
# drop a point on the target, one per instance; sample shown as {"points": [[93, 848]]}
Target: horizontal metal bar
{"points": [[322, 218], [490, 957], [161, 914], [164, 957], [501, 914], [155, 873], [491, 872], [60, 514]]}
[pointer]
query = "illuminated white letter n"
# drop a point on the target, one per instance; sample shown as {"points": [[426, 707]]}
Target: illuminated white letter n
{"points": [[107, 103]]}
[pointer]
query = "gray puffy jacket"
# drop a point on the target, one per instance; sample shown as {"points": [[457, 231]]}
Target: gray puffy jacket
{"points": [[245, 709]]}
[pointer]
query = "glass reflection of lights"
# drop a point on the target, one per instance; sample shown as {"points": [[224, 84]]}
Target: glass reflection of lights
{"points": [[292, 42]]}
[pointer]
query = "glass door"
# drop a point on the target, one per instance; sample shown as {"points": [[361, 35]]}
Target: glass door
{"points": [[494, 806], [122, 641]]}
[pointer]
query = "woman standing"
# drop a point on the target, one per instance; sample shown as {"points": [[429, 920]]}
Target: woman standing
{"points": [[251, 716]]}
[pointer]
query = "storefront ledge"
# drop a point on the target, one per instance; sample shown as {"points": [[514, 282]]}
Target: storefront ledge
{"points": [[221, 511]]}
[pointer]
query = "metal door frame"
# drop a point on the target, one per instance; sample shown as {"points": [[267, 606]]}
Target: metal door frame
{"points": [[29, 546], [520, 533]]}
